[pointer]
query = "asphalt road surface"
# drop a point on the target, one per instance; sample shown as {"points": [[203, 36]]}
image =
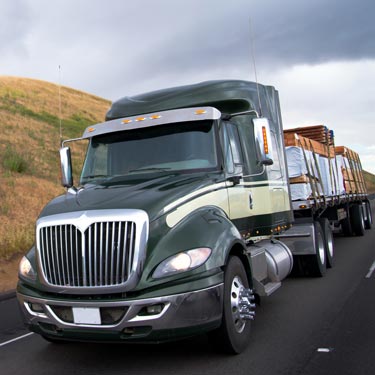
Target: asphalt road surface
{"points": [[310, 326]]}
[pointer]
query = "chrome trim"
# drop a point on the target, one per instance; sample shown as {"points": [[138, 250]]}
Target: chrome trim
{"points": [[175, 313], [69, 233], [152, 119]]}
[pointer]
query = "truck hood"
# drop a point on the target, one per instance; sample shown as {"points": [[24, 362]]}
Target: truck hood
{"points": [[155, 196]]}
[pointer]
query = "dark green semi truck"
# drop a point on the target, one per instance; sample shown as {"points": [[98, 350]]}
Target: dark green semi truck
{"points": [[172, 230]]}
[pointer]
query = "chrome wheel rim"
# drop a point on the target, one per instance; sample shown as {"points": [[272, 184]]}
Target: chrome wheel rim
{"points": [[235, 299]]}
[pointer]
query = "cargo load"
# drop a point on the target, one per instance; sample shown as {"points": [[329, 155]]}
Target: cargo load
{"points": [[317, 168]]}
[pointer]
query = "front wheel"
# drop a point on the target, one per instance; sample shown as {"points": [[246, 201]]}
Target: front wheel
{"points": [[238, 310]]}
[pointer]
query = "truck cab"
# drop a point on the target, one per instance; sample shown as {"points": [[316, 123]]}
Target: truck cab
{"points": [[171, 229]]}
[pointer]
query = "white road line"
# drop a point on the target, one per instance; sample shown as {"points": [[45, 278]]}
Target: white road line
{"points": [[371, 270], [16, 339]]}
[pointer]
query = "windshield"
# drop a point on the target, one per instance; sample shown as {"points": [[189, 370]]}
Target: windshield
{"points": [[179, 147]]}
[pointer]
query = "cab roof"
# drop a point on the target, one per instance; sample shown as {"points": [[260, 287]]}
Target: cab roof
{"points": [[228, 96]]}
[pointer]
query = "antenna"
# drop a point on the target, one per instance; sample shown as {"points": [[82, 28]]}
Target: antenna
{"points": [[254, 64], [60, 127]]}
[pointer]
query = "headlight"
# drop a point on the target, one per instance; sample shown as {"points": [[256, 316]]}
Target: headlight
{"points": [[26, 270], [181, 262]]}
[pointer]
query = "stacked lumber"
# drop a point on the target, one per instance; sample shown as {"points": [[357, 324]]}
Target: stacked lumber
{"points": [[351, 169], [316, 138], [311, 148], [316, 167], [318, 133]]}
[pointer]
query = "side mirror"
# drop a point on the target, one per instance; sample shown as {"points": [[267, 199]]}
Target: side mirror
{"points": [[263, 142], [66, 167]]}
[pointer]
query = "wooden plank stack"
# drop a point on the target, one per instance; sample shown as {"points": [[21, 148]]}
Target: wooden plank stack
{"points": [[318, 143], [316, 138], [351, 170]]}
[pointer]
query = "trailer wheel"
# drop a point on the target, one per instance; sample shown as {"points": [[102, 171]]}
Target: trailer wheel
{"points": [[328, 241], [317, 263], [346, 225], [234, 333], [357, 220], [368, 221]]}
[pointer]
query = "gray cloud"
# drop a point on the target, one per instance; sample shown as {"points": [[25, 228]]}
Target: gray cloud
{"points": [[113, 47], [286, 33], [15, 23]]}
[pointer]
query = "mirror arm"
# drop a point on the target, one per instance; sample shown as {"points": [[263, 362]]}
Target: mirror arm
{"points": [[227, 116]]}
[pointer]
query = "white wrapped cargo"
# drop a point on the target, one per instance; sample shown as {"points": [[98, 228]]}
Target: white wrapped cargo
{"points": [[300, 191], [326, 176], [295, 161]]}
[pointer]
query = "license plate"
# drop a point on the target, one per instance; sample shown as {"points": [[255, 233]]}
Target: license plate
{"points": [[86, 315]]}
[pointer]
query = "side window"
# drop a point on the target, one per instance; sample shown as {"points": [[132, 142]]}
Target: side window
{"points": [[247, 141], [228, 156], [235, 144]]}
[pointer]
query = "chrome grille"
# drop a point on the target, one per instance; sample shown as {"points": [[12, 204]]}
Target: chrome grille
{"points": [[101, 255]]}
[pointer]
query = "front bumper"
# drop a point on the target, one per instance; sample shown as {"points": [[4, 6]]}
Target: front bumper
{"points": [[144, 320]]}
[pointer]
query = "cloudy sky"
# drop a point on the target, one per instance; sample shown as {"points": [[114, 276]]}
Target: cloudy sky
{"points": [[319, 54]]}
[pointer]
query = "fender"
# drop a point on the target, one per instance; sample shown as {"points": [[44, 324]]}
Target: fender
{"points": [[205, 227]]}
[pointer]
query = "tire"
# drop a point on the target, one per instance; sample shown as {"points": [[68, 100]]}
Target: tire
{"points": [[328, 241], [357, 220], [317, 263], [346, 225], [233, 335], [368, 220]]}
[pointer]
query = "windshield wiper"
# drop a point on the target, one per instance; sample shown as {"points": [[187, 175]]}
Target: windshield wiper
{"points": [[149, 169]]}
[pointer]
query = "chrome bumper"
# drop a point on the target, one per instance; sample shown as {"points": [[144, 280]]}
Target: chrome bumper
{"points": [[181, 311]]}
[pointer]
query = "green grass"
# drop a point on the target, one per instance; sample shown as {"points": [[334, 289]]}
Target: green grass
{"points": [[72, 127], [14, 162]]}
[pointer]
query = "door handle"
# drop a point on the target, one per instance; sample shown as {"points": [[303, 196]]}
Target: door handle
{"points": [[251, 201]]}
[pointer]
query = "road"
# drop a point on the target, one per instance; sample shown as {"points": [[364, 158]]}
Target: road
{"points": [[311, 326]]}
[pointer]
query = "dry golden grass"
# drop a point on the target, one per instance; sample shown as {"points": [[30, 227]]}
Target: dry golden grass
{"points": [[42, 96], [370, 182], [29, 131]]}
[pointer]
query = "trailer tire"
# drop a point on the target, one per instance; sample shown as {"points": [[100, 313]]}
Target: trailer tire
{"points": [[346, 225], [357, 220], [317, 263], [328, 241], [233, 335], [368, 221]]}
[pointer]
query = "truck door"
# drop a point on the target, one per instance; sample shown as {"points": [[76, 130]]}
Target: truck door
{"points": [[257, 193], [240, 197]]}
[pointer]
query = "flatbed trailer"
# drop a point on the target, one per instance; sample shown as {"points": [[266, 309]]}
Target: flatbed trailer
{"points": [[335, 197]]}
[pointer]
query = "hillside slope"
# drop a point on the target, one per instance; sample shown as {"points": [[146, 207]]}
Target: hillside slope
{"points": [[29, 143]]}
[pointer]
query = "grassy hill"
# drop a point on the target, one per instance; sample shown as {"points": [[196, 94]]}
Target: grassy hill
{"points": [[29, 143], [370, 182]]}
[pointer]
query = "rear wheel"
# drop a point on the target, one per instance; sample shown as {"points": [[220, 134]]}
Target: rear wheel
{"points": [[346, 225], [234, 333], [357, 220], [328, 241], [317, 263], [368, 220]]}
